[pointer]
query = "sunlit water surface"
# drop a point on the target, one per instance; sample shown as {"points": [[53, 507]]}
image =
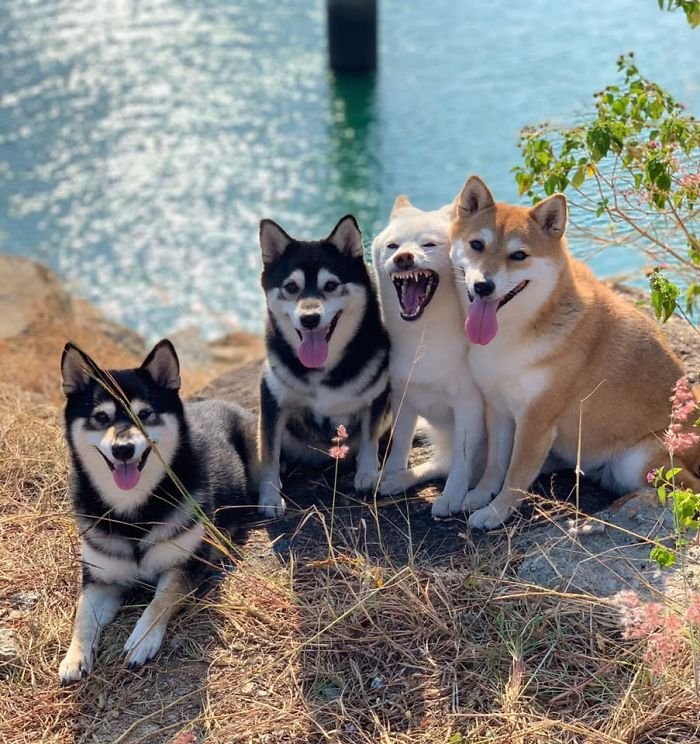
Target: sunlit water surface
{"points": [[141, 143]]}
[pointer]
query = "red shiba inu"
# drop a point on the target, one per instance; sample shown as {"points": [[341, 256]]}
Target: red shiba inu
{"points": [[552, 346]]}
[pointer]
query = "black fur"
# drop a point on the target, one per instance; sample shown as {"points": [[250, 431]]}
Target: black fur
{"points": [[212, 460], [370, 343]]}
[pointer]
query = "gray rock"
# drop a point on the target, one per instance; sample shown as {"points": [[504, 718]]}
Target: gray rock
{"points": [[9, 647], [24, 600], [192, 347], [604, 554]]}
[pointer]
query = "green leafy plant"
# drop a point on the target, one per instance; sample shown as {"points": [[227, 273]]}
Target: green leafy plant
{"points": [[685, 506], [691, 8], [636, 161]]}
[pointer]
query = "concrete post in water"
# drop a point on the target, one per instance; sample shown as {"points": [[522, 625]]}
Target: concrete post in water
{"points": [[352, 35]]}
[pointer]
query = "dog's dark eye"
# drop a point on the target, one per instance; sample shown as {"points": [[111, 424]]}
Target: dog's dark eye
{"points": [[429, 245], [291, 287], [518, 256], [100, 418], [477, 245], [146, 414], [392, 246], [330, 286]]}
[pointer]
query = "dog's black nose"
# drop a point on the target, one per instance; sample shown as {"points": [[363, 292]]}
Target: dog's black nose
{"points": [[485, 288], [403, 260], [123, 451], [310, 320]]}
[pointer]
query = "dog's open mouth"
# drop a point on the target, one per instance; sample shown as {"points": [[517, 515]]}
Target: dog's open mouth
{"points": [[313, 349], [481, 325], [515, 291], [126, 474], [415, 289]]}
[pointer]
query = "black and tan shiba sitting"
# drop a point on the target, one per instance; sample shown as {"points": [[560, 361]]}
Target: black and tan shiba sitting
{"points": [[148, 472], [327, 355]]}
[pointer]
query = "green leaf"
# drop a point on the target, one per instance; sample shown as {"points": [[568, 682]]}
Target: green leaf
{"points": [[662, 556], [579, 177], [664, 295]]}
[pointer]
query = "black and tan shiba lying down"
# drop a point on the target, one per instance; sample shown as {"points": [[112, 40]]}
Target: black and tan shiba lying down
{"points": [[149, 472]]}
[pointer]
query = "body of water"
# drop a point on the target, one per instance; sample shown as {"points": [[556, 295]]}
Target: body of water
{"points": [[141, 142]]}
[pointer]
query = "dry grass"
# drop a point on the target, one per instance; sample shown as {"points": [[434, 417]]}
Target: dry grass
{"points": [[353, 648]]}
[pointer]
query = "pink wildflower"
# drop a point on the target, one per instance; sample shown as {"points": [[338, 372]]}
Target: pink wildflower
{"points": [[339, 450], [684, 403], [653, 145], [690, 181], [692, 614], [679, 441], [651, 476], [651, 621], [684, 406], [662, 646]]}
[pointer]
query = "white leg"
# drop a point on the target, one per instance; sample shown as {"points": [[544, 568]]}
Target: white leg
{"points": [[533, 440], [272, 425], [366, 470], [395, 476], [500, 428], [466, 447], [146, 638], [97, 606]]}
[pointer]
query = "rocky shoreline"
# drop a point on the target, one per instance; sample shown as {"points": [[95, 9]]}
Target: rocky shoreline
{"points": [[38, 316]]}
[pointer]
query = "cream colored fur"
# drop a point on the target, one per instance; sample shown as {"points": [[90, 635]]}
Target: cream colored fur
{"points": [[430, 376]]}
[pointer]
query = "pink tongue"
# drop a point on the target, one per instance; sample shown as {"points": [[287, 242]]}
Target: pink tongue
{"points": [[481, 326], [313, 350], [126, 475], [412, 297]]}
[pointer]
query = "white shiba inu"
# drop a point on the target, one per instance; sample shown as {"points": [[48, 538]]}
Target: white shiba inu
{"points": [[430, 375], [551, 347]]}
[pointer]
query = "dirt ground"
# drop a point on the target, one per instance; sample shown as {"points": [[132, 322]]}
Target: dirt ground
{"points": [[345, 621]]}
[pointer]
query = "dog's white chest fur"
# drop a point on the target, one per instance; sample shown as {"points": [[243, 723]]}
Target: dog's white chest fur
{"points": [[322, 399], [509, 373], [160, 552], [430, 369]]}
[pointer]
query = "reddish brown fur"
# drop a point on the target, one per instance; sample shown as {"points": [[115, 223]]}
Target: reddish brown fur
{"points": [[605, 362]]}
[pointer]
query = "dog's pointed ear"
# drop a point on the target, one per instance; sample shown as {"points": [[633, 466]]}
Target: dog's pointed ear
{"points": [[551, 215], [77, 368], [163, 365], [402, 202], [347, 238], [474, 197], [273, 241]]}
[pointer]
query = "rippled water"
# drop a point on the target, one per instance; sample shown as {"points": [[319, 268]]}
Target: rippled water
{"points": [[140, 143]]}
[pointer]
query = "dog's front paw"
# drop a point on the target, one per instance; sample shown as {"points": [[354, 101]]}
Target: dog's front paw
{"points": [[365, 481], [270, 502], [449, 502], [476, 499], [144, 642], [489, 517], [397, 482], [76, 664]]}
